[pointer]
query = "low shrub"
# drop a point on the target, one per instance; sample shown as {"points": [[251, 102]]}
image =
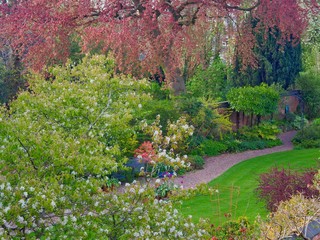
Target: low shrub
{"points": [[232, 145], [273, 143], [195, 145], [240, 145], [316, 121], [213, 148], [266, 131], [196, 161], [309, 137], [278, 185], [204, 116], [237, 229], [292, 122], [254, 145], [165, 108]]}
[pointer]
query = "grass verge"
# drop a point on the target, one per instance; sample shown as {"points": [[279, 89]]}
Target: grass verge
{"points": [[236, 187]]}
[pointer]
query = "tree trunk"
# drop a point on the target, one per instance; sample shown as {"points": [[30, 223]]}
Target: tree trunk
{"points": [[238, 120], [177, 82], [259, 119]]}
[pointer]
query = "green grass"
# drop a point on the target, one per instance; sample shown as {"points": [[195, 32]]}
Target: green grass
{"points": [[243, 179]]}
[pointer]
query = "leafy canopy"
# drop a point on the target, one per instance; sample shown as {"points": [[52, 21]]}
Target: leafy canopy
{"points": [[259, 100], [143, 34], [78, 121]]}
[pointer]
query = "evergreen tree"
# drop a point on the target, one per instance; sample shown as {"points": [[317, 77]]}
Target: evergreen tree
{"points": [[277, 62]]}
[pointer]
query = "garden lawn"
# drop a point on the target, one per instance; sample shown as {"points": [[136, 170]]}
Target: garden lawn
{"points": [[236, 194]]}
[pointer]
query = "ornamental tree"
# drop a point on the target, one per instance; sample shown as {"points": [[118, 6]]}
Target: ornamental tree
{"points": [[77, 121], [143, 34], [62, 137], [259, 100]]}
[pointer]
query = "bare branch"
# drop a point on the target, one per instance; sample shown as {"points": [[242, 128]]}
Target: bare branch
{"points": [[248, 9]]}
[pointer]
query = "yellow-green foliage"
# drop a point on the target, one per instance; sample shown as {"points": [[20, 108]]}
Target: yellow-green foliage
{"points": [[291, 216]]}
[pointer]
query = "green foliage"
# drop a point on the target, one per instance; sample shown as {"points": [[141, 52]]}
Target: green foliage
{"points": [[165, 108], [308, 137], [212, 148], [266, 131], [209, 82], [84, 113], [164, 189], [194, 145], [292, 122], [237, 229], [316, 121], [76, 55], [61, 140], [196, 161], [11, 82], [159, 92], [252, 138], [112, 182], [309, 83], [260, 100], [204, 116], [247, 138], [299, 122]]}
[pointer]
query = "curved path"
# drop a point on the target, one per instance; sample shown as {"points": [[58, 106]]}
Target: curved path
{"points": [[215, 166]]}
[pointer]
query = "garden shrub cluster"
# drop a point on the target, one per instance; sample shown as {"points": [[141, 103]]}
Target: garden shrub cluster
{"points": [[196, 161], [238, 229], [292, 122], [247, 138], [209, 82], [308, 137], [279, 185]]}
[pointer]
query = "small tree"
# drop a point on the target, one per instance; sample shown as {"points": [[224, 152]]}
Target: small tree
{"points": [[280, 185], [292, 216], [260, 100]]}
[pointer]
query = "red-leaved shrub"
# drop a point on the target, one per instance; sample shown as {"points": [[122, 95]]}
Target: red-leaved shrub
{"points": [[279, 185]]}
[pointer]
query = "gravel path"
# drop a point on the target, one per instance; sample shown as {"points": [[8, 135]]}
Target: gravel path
{"points": [[215, 166]]}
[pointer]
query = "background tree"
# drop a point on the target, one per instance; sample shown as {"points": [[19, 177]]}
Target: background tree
{"points": [[143, 34], [277, 62], [309, 79]]}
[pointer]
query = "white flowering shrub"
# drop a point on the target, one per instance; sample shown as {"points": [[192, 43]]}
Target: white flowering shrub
{"points": [[168, 149], [133, 214]]}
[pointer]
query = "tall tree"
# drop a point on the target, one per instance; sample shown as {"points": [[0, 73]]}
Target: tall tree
{"points": [[143, 34], [277, 62]]}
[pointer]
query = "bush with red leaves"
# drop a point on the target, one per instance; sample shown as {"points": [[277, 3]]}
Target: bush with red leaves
{"points": [[279, 185]]}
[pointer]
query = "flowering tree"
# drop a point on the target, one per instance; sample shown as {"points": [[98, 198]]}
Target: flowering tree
{"points": [[143, 34], [61, 139]]}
